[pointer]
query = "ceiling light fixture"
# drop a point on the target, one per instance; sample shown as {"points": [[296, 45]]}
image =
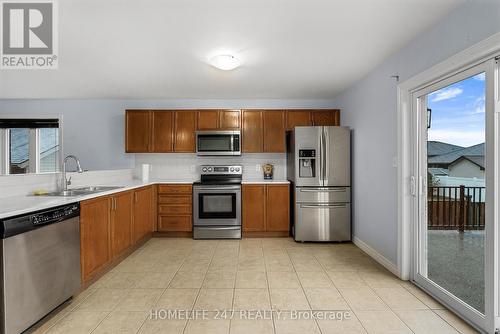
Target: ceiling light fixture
{"points": [[225, 62]]}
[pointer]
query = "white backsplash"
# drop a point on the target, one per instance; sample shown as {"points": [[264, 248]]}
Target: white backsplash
{"points": [[179, 166], [24, 184], [187, 165]]}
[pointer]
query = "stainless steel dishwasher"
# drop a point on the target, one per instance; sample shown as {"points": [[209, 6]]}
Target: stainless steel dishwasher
{"points": [[40, 266]]}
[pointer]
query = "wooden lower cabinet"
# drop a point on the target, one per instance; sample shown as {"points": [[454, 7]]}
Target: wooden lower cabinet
{"points": [[95, 248], [111, 225], [277, 208], [175, 208], [142, 221], [253, 207], [121, 222], [265, 207]]}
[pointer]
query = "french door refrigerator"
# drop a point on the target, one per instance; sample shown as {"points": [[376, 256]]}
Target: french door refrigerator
{"points": [[319, 167]]}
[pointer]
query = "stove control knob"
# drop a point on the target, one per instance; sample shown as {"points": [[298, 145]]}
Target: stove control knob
{"points": [[237, 169], [209, 169], [204, 169], [231, 169]]}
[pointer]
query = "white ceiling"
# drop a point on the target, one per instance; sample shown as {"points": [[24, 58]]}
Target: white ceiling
{"points": [[291, 49]]}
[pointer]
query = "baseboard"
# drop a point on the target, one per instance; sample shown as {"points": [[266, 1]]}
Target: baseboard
{"points": [[376, 256]]}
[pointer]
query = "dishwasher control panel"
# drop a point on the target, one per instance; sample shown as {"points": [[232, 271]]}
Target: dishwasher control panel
{"points": [[30, 221], [54, 215]]}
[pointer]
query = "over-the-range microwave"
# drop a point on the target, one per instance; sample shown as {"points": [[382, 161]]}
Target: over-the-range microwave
{"points": [[218, 142]]}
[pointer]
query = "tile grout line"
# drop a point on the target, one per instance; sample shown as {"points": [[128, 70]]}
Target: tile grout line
{"points": [[269, 292], [303, 291], [343, 297], [234, 288], [201, 286]]}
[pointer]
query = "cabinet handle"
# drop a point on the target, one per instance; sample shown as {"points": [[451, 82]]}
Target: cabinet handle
{"points": [[135, 197]]}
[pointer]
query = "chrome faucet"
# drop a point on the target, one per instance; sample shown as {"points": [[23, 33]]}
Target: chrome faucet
{"points": [[65, 183]]}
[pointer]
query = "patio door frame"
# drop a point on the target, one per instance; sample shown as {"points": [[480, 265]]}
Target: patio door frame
{"points": [[407, 183], [419, 263]]}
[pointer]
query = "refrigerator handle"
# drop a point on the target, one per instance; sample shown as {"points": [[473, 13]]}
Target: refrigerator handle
{"points": [[326, 157], [323, 154], [320, 157]]}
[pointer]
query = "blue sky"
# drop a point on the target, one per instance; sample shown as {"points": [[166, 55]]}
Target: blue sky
{"points": [[458, 112]]}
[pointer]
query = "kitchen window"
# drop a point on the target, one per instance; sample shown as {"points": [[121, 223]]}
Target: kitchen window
{"points": [[29, 146]]}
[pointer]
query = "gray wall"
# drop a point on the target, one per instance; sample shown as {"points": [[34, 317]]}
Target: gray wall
{"points": [[369, 107], [93, 130]]}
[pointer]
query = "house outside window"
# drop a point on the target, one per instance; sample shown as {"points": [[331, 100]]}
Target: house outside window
{"points": [[29, 146]]}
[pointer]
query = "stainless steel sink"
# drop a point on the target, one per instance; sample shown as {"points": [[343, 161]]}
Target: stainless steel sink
{"points": [[82, 191], [95, 189]]}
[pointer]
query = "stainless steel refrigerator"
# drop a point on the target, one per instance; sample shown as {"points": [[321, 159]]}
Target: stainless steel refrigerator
{"points": [[319, 167]]}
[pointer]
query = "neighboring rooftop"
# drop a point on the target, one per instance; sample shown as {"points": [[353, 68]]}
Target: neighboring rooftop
{"points": [[476, 151], [439, 148]]}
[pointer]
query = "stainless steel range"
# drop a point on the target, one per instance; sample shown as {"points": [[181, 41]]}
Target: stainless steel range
{"points": [[217, 203]]}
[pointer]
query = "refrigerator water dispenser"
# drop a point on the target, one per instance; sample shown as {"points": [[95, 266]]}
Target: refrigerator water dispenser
{"points": [[307, 163]]}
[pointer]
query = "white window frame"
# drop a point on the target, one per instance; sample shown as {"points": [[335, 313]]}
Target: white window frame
{"points": [[407, 185], [34, 151]]}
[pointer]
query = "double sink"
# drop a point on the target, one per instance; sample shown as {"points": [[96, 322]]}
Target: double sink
{"points": [[82, 191]]}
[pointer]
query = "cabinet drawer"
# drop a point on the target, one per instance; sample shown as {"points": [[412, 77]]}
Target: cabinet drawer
{"points": [[174, 223], [177, 199], [175, 189], [174, 209]]}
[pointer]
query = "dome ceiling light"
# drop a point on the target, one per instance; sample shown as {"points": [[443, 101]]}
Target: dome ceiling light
{"points": [[225, 62]]}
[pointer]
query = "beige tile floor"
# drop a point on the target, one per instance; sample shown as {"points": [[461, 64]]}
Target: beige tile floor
{"points": [[265, 280]]}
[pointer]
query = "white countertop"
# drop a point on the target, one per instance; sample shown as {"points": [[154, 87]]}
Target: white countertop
{"points": [[262, 181], [17, 205]]}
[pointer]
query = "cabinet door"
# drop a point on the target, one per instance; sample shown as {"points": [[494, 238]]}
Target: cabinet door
{"points": [[274, 131], [137, 131], [229, 119], [277, 208], [121, 222], [94, 235], [175, 223], [185, 129], [163, 131], [298, 118], [208, 119], [325, 118], [253, 207], [143, 213], [252, 132]]}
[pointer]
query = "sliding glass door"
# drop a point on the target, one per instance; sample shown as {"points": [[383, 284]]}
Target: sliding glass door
{"points": [[454, 233]]}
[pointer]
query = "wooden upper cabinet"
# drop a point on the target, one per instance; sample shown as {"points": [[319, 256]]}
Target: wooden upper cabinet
{"points": [[325, 117], [121, 222], [208, 120], [163, 128], [274, 131], [252, 131], [185, 129], [277, 208], [94, 236], [229, 119], [137, 131], [253, 198], [298, 118], [219, 119]]}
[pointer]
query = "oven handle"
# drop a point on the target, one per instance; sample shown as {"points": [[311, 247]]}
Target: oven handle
{"points": [[198, 188], [236, 227]]}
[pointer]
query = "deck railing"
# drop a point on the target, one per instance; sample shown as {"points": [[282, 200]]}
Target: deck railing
{"points": [[456, 208]]}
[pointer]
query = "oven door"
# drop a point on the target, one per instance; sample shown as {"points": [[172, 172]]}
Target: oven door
{"points": [[218, 143], [217, 205]]}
